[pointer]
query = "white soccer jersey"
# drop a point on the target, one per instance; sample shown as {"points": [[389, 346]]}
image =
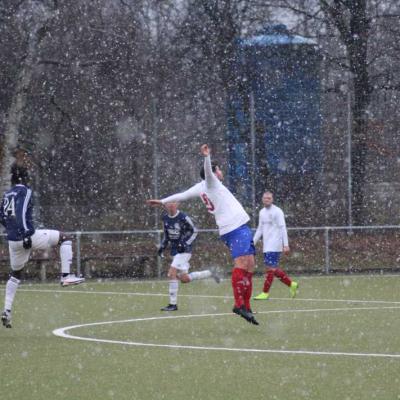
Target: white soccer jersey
{"points": [[219, 201], [272, 227]]}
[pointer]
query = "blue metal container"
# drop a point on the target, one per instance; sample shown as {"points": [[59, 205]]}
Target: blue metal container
{"points": [[274, 116]]}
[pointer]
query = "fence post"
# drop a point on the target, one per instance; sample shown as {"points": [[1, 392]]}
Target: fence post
{"points": [[78, 253], [327, 255]]}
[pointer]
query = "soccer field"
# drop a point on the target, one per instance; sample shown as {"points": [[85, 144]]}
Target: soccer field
{"points": [[339, 339]]}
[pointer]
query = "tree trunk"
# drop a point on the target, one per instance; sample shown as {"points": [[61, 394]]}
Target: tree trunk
{"points": [[357, 51], [18, 101]]}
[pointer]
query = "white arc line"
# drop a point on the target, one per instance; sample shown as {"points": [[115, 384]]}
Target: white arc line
{"points": [[61, 332]]}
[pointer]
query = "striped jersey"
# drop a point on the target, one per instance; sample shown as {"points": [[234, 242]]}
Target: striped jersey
{"points": [[16, 212], [178, 230]]}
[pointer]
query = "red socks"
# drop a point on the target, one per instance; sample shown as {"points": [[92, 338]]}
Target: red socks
{"points": [[238, 286], [242, 286], [249, 290], [269, 277], [281, 274]]}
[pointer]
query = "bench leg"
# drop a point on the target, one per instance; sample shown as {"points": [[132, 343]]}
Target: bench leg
{"points": [[43, 266]]}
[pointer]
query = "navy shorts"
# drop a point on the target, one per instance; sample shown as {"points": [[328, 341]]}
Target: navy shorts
{"points": [[240, 241], [271, 258]]}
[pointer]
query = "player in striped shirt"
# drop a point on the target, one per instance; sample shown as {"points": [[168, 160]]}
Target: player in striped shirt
{"points": [[180, 234], [232, 220]]}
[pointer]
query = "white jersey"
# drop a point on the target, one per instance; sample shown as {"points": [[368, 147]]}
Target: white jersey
{"points": [[219, 201], [272, 227]]}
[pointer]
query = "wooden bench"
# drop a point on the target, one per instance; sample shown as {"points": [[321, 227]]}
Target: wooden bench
{"points": [[137, 265], [40, 259], [132, 265]]}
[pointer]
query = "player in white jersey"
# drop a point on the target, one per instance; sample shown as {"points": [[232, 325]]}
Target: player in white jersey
{"points": [[231, 219], [272, 228]]}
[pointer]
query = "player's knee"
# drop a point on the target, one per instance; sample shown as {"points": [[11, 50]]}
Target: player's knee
{"points": [[171, 274], [16, 274], [240, 263], [252, 259], [184, 278], [245, 262], [251, 265]]}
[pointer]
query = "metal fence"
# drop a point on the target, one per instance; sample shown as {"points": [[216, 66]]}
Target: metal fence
{"points": [[133, 253], [354, 248]]}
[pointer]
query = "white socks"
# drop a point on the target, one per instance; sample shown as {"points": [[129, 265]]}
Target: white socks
{"points": [[173, 291], [11, 289], [199, 275], [66, 256], [174, 284]]}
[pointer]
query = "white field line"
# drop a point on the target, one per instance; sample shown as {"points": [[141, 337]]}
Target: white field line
{"points": [[61, 332], [108, 293], [260, 278]]}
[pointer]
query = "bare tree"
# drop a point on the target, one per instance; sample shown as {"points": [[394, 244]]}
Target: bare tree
{"points": [[354, 23], [31, 18], [108, 91]]}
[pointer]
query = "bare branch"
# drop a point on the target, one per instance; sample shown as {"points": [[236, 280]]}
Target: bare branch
{"points": [[290, 7], [82, 64], [376, 57], [383, 16], [386, 85], [337, 61], [336, 15], [390, 87], [53, 62], [94, 29], [64, 114], [95, 62], [296, 10]]}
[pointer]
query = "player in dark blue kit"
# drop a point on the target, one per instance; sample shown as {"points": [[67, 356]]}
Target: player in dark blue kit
{"points": [[16, 216], [180, 233]]}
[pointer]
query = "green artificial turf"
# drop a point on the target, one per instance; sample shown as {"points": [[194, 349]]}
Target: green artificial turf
{"points": [[325, 317]]}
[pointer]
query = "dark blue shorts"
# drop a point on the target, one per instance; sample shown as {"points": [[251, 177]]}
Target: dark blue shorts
{"points": [[240, 241], [271, 258]]}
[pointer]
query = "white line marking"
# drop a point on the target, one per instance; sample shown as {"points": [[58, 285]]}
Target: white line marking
{"points": [[72, 291], [61, 332], [344, 275], [120, 293]]}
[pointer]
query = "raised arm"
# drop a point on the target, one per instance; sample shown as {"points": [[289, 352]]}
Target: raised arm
{"points": [[191, 193], [211, 179]]}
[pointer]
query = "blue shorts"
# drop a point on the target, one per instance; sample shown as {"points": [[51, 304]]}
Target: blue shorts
{"points": [[240, 241], [271, 258]]}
